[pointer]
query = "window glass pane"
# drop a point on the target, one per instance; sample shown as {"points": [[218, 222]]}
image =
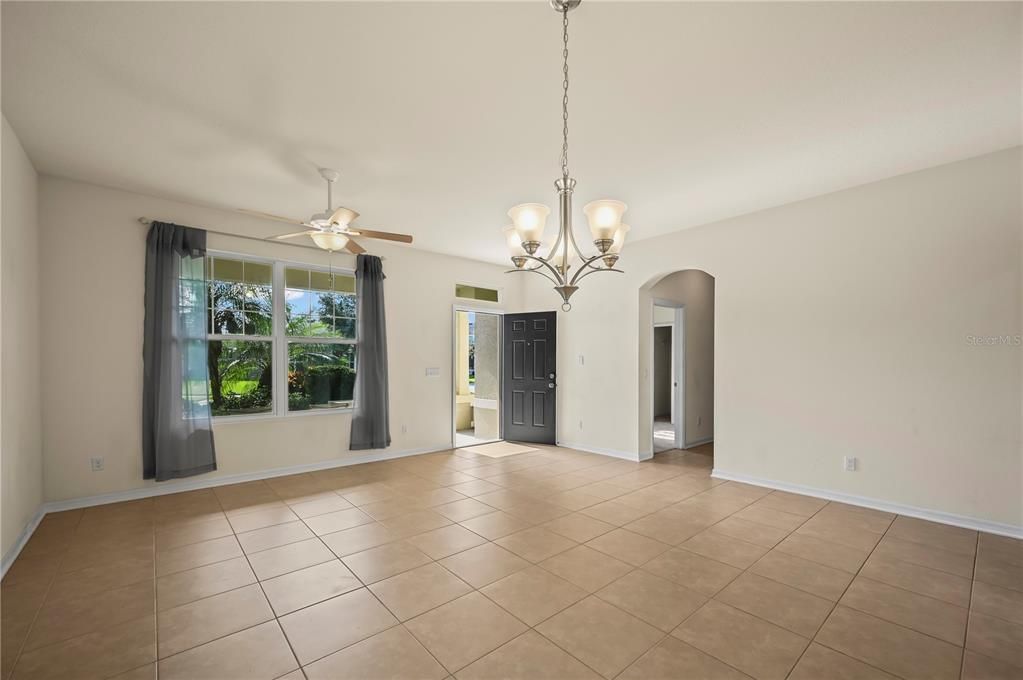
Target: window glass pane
{"points": [[315, 309], [236, 307], [241, 376], [475, 293], [320, 375]]}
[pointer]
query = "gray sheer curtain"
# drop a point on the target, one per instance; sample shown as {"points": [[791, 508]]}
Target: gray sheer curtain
{"points": [[370, 424], [177, 437]]}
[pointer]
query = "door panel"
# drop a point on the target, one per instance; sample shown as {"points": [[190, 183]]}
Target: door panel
{"points": [[530, 377]]}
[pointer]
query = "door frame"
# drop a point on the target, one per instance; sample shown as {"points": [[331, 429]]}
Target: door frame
{"points": [[478, 309], [678, 355]]}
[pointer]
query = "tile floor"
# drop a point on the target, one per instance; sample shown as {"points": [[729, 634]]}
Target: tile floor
{"points": [[551, 564]]}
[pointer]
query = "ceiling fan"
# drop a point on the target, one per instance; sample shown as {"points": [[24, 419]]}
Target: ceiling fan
{"points": [[331, 229]]}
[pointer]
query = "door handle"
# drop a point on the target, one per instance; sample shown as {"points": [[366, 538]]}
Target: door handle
{"points": [[550, 385]]}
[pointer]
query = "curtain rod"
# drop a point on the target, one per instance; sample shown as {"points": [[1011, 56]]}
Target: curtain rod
{"points": [[146, 221]]}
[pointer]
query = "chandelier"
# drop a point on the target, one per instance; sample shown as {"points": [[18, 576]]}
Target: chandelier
{"points": [[525, 235]]}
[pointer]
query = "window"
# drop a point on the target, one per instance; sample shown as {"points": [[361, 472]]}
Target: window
{"points": [[468, 292], [281, 338], [321, 338]]}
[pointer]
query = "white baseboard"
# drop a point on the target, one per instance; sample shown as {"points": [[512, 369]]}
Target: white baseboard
{"points": [[624, 455], [699, 442], [26, 533], [192, 484], [876, 504]]}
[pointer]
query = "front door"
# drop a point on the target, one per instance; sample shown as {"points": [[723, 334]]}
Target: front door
{"points": [[530, 377]]}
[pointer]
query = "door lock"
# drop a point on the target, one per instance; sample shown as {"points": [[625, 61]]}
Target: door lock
{"points": [[550, 385]]}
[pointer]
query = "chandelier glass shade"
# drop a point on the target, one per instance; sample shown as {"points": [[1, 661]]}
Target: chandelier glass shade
{"points": [[525, 236]]}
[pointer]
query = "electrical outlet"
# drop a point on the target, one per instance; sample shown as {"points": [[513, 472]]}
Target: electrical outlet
{"points": [[699, 420], [582, 360], [580, 424], [849, 463], [404, 429], [96, 464], [432, 372]]}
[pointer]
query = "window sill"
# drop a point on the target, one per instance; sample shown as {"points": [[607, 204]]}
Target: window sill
{"points": [[310, 413]]}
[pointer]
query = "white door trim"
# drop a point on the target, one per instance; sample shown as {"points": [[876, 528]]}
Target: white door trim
{"points": [[481, 308], [678, 341]]}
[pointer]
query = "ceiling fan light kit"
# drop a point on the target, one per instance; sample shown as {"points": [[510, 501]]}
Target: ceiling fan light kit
{"points": [[525, 236]]}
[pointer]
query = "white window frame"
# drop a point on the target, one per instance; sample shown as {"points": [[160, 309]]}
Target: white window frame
{"points": [[280, 339]]}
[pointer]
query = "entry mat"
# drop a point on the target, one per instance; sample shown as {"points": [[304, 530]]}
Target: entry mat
{"points": [[499, 449]]}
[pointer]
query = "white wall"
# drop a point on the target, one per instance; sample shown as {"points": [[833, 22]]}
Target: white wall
{"points": [[842, 328], [22, 464], [695, 290], [92, 285]]}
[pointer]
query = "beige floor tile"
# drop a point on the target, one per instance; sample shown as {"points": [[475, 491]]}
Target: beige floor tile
{"points": [[819, 662], [824, 552], [194, 584], [671, 527], [777, 519], [357, 539], [578, 527], [925, 556], [673, 659], [805, 575], [259, 653], [459, 511], [698, 573], [432, 498], [943, 536], [603, 637], [440, 543], [419, 590], [657, 601], [754, 646], [1002, 548], [587, 568], [338, 520], [251, 521], [919, 612], [476, 487], [537, 512], [385, 561], [216, 527], [389, 655], [574, 499], [495, 525], [329, 502], [99, 654], [995, 601], [147, 672], [856, 517], [751, 532], [792, 609], [392, 507], [291, 557], [979, 667], [795, 504], [484, 564], [101, 578], [996, 638], [534, 594], [199, 622], [535, 544], [629, 547], [828, 530], [304, 587], [614, 512], [464, 630], [530, 656], [415, 523], [999, 572], [274, 536], [724, 548], [196, 555], [324, 628], [922, 580], [890, 647], [81, 614]]}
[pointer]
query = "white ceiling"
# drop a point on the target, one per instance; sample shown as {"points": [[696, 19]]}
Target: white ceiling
{"points": [[442, 116]]}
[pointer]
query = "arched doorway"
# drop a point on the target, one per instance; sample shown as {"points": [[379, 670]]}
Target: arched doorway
{"points": [[678, 364]]}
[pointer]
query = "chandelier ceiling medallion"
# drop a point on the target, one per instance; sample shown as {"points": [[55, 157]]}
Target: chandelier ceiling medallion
{"points": [[525, 235]]}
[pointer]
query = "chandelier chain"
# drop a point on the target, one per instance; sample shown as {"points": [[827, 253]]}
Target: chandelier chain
{"points": [[564, 98]]}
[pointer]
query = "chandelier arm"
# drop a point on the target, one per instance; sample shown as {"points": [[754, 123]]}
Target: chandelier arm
{"points": [[535, 270], [558, 278], [583, 273]]}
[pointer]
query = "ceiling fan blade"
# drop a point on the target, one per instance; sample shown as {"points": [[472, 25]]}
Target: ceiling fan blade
{"points": [[270, 216], [354, 248], [383, 235], [297, 233]]}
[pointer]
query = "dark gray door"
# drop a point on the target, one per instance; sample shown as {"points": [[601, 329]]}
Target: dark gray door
{"points": [[530, 377]]}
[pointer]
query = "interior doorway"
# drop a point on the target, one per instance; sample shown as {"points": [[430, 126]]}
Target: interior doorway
{"points": [[668, 356], [476, 412]]}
